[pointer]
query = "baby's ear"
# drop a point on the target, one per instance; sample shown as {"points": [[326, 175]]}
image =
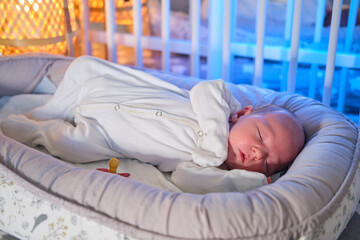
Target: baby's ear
{"points": [[243, 112]]}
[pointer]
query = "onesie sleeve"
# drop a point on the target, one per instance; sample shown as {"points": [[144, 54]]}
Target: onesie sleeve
{"points": [[212, 103], [191, 178]]}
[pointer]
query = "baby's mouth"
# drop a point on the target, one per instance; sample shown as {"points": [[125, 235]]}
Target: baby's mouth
{"points": [[242, 156]]}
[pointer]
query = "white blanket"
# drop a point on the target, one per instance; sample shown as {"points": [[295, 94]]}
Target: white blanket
{"points": [[192, 178]]}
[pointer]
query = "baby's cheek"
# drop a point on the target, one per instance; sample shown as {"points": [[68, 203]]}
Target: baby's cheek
{"points": [[230, 160], [256, 166]]}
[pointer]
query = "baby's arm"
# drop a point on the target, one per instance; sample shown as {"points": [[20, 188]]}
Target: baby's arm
{"points": [[212, 103], [192, 178], [78, 144]]}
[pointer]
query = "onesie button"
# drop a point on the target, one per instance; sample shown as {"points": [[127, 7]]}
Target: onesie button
{"points": [[201, 133], [117, 107], [158, 113]]}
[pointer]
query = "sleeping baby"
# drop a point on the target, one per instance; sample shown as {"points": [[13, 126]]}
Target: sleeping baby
{"points": [[103, 110]]}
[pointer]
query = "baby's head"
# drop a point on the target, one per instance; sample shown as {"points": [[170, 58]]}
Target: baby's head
{"points": [[265, 140]]}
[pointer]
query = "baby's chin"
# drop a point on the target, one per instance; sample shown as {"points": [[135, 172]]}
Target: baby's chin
{"points": [[231, 164]]}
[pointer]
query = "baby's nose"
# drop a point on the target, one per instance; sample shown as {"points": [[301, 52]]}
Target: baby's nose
{"points": [[257, 154]]}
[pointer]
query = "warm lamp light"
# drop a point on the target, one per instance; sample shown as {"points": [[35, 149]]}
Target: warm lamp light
{"points": [[124, 12], [36, 26]]}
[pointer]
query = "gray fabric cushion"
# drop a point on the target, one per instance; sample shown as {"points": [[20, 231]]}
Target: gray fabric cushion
{"points": [[293, 206], [22, 73]]}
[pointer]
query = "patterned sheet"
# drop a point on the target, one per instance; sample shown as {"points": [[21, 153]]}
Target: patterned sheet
{"points": [[28, 216]]}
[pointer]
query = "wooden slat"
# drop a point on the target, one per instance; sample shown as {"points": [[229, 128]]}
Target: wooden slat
{"points": [[215, 44], [110, 30], [86, 26], [320, 15], [165, 35], [68, 34], [330, 63], [294, 48], [287, 39], [354, 6], [137, 26], [195, 38], [229, 26], [260, 36]]}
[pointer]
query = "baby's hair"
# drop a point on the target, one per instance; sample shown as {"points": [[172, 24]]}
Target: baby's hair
{"points": [[273, 108]]}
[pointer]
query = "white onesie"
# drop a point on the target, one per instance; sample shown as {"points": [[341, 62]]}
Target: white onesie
{"points": [[102, 110]]}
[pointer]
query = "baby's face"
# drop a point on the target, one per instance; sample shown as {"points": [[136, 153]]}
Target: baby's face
{"points": [[264, 142]]}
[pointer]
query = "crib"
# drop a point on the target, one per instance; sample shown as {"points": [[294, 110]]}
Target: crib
{"points": [[323, 47], [314, 200]]}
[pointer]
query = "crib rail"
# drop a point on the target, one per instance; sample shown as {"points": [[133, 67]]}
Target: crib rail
{"points": [[221, 47]]}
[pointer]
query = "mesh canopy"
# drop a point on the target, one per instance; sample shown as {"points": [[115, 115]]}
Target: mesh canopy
{"points": [[35, 25]]}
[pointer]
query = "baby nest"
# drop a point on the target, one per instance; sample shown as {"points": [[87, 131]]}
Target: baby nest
{"points": [[42, 196]]}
